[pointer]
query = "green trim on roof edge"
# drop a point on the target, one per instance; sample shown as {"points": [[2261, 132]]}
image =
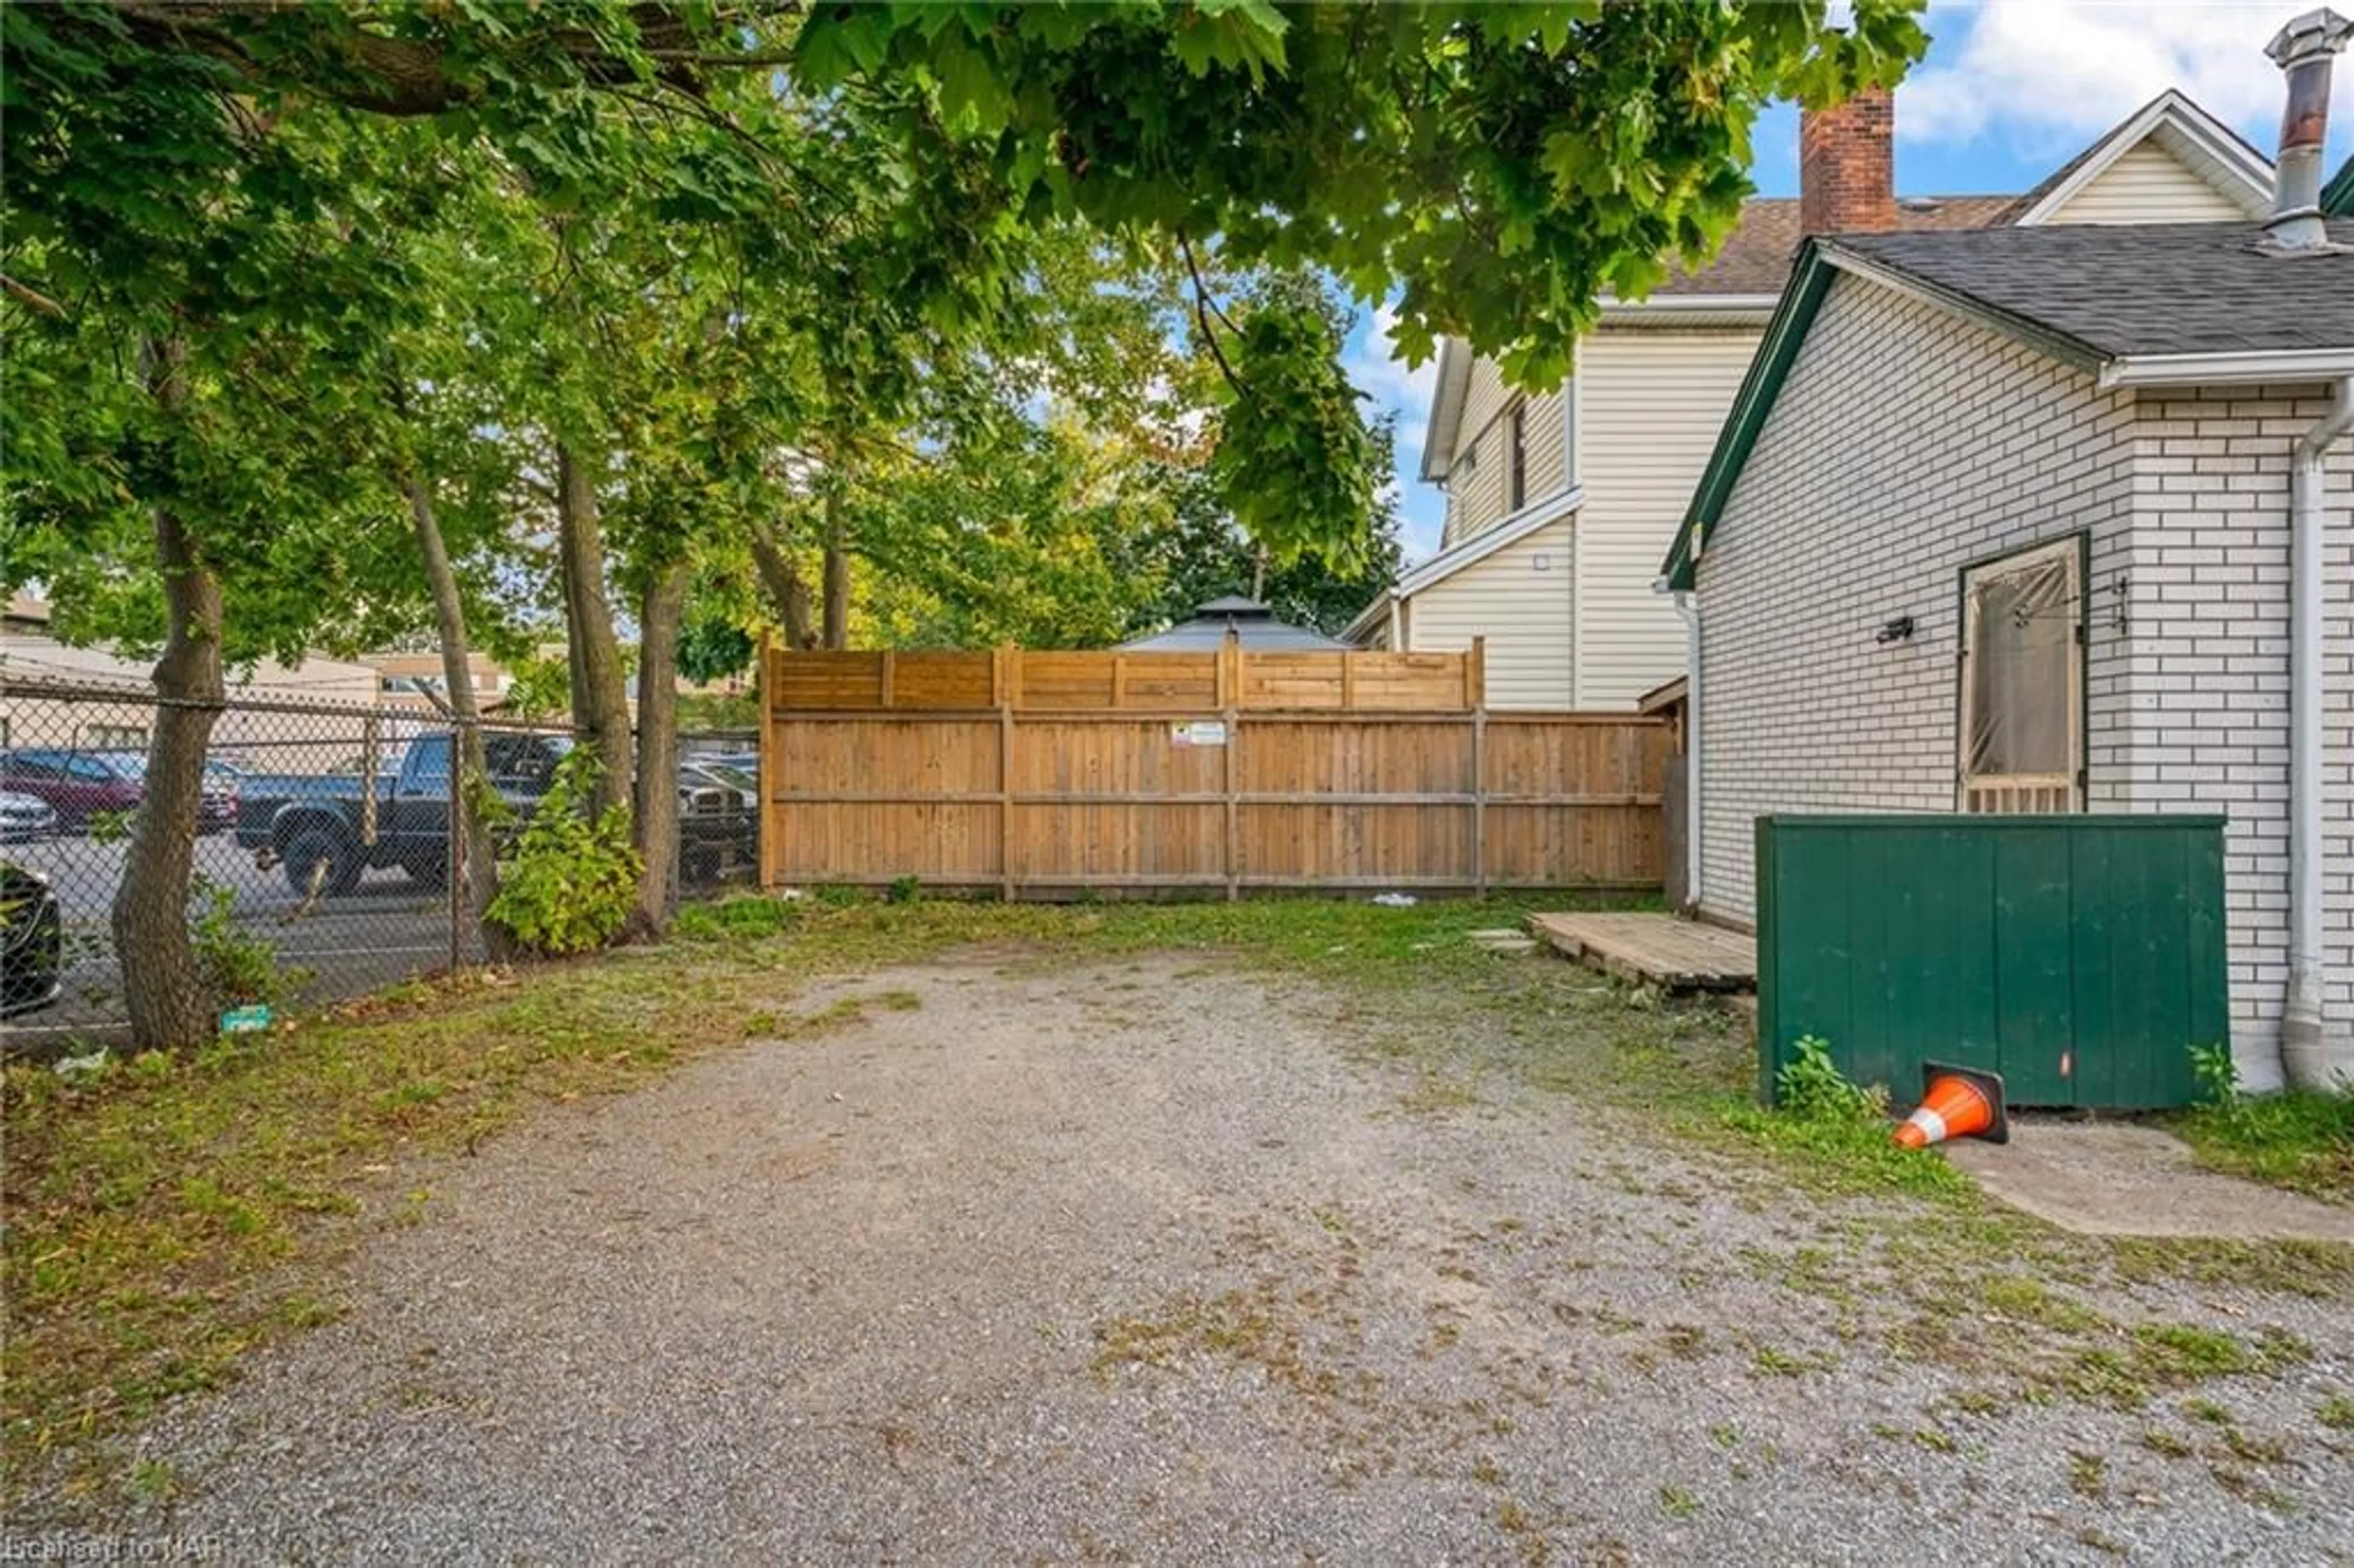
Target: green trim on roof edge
{"points": [[2337, 196], [1810, 279]]}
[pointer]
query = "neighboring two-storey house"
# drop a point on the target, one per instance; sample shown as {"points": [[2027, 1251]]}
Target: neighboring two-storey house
{"points": [[1560, 504]]}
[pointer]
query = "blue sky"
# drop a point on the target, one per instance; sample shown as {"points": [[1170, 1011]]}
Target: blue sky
{"points": [[2010, 90]]}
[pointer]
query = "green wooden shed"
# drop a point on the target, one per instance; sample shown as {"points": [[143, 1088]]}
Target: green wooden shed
{"points": [[2079, 957]]}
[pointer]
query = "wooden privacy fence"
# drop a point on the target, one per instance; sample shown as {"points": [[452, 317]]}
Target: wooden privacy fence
{"points": [[1047, 774]]}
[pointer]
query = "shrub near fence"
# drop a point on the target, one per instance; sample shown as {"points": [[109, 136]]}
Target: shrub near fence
{"points": [[1054, 774], [308, 886]]}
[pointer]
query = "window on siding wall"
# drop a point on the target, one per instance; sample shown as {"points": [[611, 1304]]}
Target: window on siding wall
{"points": [[2023, 687], [114, 737], [1516, 457]]}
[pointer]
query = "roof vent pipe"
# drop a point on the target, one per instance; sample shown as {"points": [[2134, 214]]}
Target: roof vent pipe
{"points": [[2303, 50]]}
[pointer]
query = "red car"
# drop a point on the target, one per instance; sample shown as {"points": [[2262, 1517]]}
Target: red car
{"points": [[84, 785]]}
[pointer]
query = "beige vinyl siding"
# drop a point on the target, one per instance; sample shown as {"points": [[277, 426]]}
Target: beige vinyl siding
{"points": [[1476, 501], [1649, 406], [1519, 599], [2147, 185]]}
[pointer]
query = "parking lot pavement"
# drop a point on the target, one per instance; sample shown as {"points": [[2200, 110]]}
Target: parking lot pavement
{"points": [[387, 929]]}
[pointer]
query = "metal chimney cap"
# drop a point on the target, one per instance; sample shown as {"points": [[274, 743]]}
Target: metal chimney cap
{"points": [[2318, 32]]}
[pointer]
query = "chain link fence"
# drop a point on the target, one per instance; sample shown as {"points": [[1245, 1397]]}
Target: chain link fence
{"points": [[322, 843]]}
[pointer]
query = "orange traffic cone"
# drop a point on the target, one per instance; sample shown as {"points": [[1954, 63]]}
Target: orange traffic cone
{"points": [[1955, 1102]]}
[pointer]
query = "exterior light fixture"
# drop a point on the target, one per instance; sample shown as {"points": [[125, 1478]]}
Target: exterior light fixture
{"points": [[1896, 631]]}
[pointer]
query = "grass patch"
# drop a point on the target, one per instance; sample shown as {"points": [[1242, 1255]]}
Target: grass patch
{"points": [[2029, 1301], [1846, 1154], [2298, 1139], [154, 1207]]}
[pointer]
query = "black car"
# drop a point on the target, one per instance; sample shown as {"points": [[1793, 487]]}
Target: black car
{"points": [[32, 941]]}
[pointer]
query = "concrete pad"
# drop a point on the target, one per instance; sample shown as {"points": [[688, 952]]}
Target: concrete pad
{"points": [[2118, 1178]]}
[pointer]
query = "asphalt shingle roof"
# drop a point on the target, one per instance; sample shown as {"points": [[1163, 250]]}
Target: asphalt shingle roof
{"points": [[2144, 289], [1755, 258]]}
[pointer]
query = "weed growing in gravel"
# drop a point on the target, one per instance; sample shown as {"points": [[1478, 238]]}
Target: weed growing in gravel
{"points": [[154, 1479], [2028, 1300], [1678, 1503], [2088, 1474], [2254, 1450], [2337, 1413]]}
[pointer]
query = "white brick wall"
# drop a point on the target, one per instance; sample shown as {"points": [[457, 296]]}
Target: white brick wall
{"points": [[1907, 444]]}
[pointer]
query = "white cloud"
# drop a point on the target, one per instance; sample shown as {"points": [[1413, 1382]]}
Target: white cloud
{"points": [[2046, 75]]}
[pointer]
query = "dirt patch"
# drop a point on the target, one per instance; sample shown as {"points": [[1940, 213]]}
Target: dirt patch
{"points": [[2116, 1179], [1016, 1258]]}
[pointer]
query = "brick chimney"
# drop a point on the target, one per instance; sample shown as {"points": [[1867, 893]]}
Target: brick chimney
{"points": [[1846, 166]]}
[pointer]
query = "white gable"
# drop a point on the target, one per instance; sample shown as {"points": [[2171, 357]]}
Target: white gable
{"points": [[2148, 185], [2169, 162]]}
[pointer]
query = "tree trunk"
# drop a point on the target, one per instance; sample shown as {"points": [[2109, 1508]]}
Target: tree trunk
{"points": [[656, 824], [1258, 574], [837, 571], [467, 828], [601, 695], [161, 988], [786, 590]]}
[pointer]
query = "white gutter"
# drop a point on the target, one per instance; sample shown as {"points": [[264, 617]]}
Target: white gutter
{"points": [[2243, 367], [2308, 1057], [1672, 304]]}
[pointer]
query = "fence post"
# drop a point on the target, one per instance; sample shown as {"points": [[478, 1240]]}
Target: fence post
{"points": [[456, 875], [1001, 686], [1230, 697], [1475, 679], [763, 764], [369, 745]]}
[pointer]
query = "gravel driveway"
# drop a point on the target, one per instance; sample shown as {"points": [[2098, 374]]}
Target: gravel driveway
{"points": [[1155, 1261]]}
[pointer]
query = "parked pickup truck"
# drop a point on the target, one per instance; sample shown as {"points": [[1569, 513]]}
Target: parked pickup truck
{"points": [[315, 826]]}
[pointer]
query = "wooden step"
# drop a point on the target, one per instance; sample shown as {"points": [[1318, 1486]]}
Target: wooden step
{"points": [[1657, 949]]}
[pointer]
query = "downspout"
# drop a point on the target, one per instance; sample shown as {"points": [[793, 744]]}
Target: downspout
{"points": [[2310, 1059], [1688, 606]]}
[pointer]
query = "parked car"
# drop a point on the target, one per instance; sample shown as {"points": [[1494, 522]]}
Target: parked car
{"points": [[718, 820], [24, 817], [81, 786], [32, 941], [315, 826]]}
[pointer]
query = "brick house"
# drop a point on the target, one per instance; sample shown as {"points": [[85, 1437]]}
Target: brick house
{"points": [[1558, 504], [2003, 520]]}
